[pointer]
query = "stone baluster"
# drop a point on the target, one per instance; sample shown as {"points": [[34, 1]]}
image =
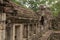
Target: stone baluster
{"points": [[28, 32]]}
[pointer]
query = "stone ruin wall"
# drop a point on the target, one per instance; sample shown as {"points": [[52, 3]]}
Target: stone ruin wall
{"points": [[42, 28]]}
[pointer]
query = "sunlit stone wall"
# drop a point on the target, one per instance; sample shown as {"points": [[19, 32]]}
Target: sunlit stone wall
{"points": [[2, 26]]}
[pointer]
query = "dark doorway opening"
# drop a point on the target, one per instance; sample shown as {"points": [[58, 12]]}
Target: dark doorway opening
{"points": [[42, 20]]}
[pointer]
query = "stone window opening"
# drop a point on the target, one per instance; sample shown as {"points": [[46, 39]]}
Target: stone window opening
{"points": [[15, 12], [34, 29], [30, 30], [1, 4], [17, 32], [42, 20], [1, 9], [8, 29]]}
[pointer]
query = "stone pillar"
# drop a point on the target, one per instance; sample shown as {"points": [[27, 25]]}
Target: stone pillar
{"points": [[13, 32], [2, 31], [34, 25], [28, 32], [2, 25], [46, 25], [0, 34], [21, 31], [36, 28]]}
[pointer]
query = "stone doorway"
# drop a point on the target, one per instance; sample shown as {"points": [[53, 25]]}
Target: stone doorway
{"points": [[17, 31]]}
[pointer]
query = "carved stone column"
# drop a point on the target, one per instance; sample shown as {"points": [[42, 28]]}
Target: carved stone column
{"points": [[2, 31], [36, 28], [2, 26], [28, 31]]}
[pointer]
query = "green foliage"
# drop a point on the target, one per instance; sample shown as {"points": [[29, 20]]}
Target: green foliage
{"points": [[56, 8], [34, 4], [16, 2]]}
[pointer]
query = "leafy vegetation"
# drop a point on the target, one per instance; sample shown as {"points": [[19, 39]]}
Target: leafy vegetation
{"points": [[34, 4]]}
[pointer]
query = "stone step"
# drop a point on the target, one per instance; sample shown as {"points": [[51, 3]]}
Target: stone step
{"points": [[46, 35]]}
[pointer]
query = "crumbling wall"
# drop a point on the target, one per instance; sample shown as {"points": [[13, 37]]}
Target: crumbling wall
{"points": [[45, 17]]}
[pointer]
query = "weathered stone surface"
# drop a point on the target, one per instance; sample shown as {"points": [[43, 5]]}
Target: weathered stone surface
{"points": [[32, 27]]}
